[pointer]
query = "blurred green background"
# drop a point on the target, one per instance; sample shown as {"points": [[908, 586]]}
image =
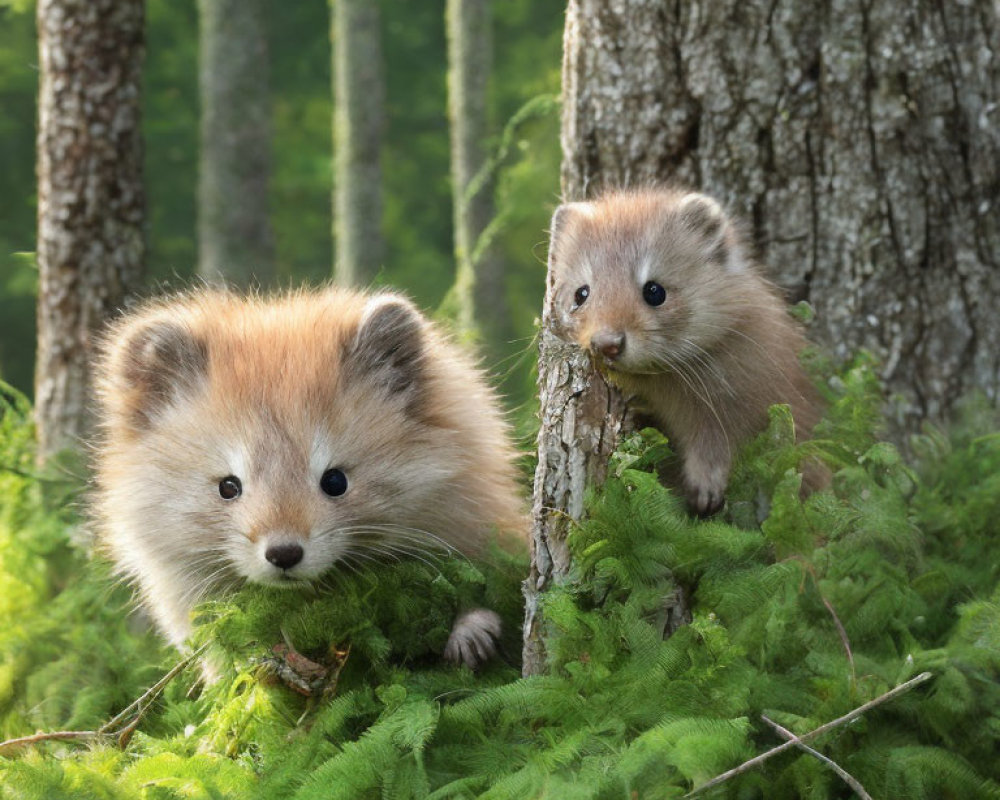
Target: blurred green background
{"points": [[417, 221]]}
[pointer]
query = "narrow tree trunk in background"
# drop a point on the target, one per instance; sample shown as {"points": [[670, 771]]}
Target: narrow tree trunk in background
{"points": [[860, 139], [479, 278], [357, 137], [235, 243], [90, 196]]}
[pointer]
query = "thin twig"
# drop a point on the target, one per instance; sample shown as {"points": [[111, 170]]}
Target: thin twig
{"points": [[846, 642], [845, 776], [138, 707], [142, 703], [841, 631], [23, 741], [848, 717]]}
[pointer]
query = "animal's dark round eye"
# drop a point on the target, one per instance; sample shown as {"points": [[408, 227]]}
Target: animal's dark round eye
{"points": [[230, 487], [653, 293], [581, 295], [333, 482]]}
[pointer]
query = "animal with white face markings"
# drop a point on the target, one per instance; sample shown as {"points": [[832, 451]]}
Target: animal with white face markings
{"points": [[268, 439], [657, 284]]}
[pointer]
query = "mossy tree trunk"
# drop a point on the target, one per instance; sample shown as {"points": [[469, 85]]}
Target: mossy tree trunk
{"points": [[861, 141], [235, 242], [359, 100], [91, 205], [479, 281]]}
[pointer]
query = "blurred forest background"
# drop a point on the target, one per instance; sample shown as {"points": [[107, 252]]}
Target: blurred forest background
{"points": [[417, 200]]}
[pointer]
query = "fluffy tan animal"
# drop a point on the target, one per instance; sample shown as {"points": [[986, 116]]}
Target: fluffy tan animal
{"points": [[268, 439], [658, 285]]}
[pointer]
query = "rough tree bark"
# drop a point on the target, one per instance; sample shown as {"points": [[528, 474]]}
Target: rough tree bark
{"points": [[479, 280], [359, 99], [90, 196], [859, 138], [235, 243], [582, 417]]}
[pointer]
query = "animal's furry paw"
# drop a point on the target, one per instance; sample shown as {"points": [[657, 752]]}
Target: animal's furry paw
{"points": [[705, 484], [705, 500], [473, 639]]}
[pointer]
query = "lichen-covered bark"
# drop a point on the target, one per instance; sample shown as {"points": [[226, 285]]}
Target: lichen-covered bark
{"points": [[90, 196], [235, 242], [859, 138], [479, 281], [359, 102]]}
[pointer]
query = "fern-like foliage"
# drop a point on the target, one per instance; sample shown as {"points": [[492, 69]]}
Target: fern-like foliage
{"points": [[803, 608]]}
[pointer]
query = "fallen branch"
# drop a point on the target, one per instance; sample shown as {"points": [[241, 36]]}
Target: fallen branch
{"points": [[846, 776], [136, 710], [746, 766]]}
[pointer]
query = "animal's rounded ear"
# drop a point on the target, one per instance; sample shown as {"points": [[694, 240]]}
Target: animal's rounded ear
{"points": [[559, 229], [150, 363], [389, 346], [703, 216]]}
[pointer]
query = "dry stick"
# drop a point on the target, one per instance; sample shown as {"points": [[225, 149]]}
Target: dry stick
{"points": [[45, 737], [808, 567], [123, 735], [848, 717], [142, 703], [840, 630], [846, 776]]}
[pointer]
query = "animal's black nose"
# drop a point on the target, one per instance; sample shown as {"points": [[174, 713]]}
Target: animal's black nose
{"points": [[610, 344], [284, 556]]}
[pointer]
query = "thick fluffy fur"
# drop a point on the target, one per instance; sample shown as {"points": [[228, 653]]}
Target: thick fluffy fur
{"points": [[706, 363], [276, 391]]}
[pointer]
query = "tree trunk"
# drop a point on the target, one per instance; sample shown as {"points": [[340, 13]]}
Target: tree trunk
{"points": [[582, 416], [479, 282], [235, 243], [859, 138], [359, 98], [582, 419], [90, 196]]}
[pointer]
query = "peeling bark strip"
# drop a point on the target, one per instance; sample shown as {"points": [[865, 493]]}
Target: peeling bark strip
{"points": [[861, 138], [358, 107], [90, 196], [235, 243]]}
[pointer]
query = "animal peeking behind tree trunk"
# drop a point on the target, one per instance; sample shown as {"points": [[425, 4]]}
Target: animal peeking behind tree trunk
{"points": [[858, 140]]}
